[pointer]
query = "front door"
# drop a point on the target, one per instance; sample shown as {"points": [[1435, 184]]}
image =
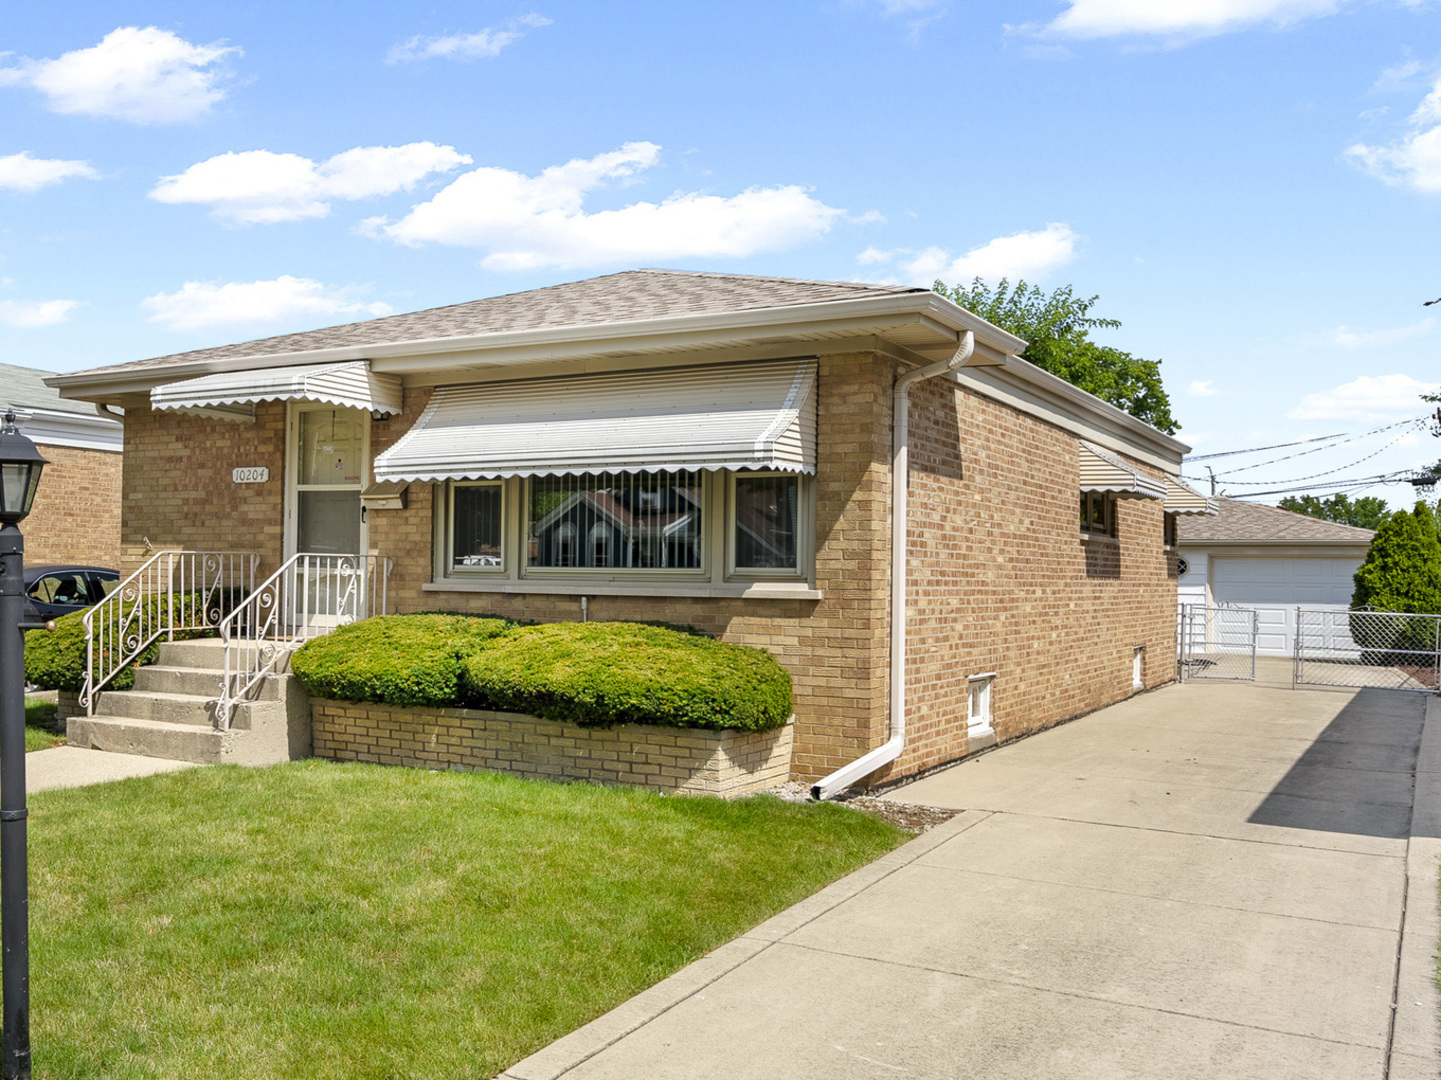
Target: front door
{"points": [[329, 459]]}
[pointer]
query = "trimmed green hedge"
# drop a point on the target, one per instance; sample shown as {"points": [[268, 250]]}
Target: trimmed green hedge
{"points": [[394, 659], [55, 659], [592, 674], [600, 674]]}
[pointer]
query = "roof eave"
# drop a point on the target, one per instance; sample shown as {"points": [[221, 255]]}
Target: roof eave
{"points": [[869, 314]]}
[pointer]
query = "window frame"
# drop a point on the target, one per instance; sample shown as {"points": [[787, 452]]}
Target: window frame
{"points": [[1089, 530], [717, 570], [984, 723], [1170, 529], [447, 531], [805, 551]]}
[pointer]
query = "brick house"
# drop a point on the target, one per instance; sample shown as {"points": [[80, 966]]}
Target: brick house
{"points": [[706, 449], [76, 517]]}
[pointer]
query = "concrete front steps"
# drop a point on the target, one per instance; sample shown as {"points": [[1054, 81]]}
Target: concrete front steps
{"points": [[170, 714]]}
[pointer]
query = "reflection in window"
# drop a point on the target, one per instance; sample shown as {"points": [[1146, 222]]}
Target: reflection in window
{"points": [[650, 521], [475, 541], [767, 513]]}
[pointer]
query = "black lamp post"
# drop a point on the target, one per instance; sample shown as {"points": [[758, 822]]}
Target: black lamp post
{"points": [[20, 465]]}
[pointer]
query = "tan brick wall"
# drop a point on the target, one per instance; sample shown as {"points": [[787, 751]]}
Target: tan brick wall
{"points": [[178, 488], [76, 516], [685, 761], [835, 648], [1001, 581]]}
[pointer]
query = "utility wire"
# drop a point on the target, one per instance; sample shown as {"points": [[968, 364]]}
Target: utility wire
{"points": [[1258, 449], [1349, 486], [1328, 472], [1316, 450]]}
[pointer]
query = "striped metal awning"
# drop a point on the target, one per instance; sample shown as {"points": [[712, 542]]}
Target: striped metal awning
{"points": [[1102, 470], [1181, 498], [230, 394], [737, 416]]}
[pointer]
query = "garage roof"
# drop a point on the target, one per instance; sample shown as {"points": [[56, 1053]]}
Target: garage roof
{"points": [[1239, 522]]}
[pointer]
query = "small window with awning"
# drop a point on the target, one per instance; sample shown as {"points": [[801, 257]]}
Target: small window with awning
{"points": [[1103, 472]]}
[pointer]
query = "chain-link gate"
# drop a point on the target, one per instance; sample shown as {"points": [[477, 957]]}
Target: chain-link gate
{"points": [[1216, 642], [1383, 649]]}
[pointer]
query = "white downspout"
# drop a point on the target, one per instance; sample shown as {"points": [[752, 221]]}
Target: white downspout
{"points": [[884, 754]]}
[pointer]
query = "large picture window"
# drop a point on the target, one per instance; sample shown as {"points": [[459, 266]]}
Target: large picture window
{"points": [[632, 521]]}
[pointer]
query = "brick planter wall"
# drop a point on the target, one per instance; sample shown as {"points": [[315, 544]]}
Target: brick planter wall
{"points": [[688, 761]]}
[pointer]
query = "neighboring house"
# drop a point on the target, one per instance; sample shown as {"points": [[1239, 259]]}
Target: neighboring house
{"points": [[704, 449], [1256, 556], [76, 516]]}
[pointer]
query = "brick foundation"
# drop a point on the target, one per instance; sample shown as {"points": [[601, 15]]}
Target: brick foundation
{"points": [[686, 761]]}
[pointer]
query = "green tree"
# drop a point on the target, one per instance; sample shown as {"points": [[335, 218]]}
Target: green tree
{"points": [[1367, 512], [1402, 571], [1057, 330]]}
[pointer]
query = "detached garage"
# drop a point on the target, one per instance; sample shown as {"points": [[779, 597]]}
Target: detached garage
{"points": [[1254, 556]]}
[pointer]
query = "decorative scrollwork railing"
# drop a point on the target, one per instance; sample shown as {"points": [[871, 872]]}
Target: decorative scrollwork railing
{"points": [[306, 598], [172, 591]]}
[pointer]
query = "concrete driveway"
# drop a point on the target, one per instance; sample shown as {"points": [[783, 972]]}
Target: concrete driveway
{"points": [[1208, 881]]}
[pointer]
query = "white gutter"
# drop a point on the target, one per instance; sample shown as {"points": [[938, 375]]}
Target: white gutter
{"points": [[884, 754]]}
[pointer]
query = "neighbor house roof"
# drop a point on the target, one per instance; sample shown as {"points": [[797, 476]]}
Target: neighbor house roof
{"points": [[49, 419], [1240, 522], [629, 296]]}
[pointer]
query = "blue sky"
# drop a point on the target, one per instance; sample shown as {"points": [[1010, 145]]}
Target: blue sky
{"points": [[1253, 187]]}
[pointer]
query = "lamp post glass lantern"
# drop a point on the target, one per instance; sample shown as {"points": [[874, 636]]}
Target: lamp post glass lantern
{"points": [[20, 467]]}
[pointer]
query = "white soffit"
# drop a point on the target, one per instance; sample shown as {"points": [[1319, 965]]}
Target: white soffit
{"points": [[737, 416], [1103, 471], [1181, 498], [349, 385]]}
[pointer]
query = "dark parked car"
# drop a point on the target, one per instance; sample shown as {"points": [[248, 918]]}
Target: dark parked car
{"points": [[52, 591]]}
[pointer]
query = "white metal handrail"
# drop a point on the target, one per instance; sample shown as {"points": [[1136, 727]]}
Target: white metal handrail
{"points": [[309, 596], [172, 590]]}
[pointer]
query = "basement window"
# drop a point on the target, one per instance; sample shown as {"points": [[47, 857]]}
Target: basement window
{"points": [[978, 721]]}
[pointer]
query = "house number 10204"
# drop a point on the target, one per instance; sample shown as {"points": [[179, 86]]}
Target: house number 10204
{"points": [[254, 475]]}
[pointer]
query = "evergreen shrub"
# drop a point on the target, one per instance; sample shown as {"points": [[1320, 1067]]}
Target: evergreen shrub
{"points": [[1402, 573], [602, 674], [394, 659]]}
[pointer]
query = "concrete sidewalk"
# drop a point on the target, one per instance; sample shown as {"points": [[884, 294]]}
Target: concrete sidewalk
{"points": [[73, 766], [1209, 881]]}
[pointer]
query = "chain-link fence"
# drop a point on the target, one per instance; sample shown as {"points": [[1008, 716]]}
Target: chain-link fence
{"points": [[1383, 649], [1216, 642]]}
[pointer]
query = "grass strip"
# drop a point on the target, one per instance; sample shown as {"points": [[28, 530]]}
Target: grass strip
{"points": [[323, 920], [42, 730]]}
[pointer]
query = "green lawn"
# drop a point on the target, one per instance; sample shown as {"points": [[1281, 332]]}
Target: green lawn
{"points": [[41, 728], [323, 920]]}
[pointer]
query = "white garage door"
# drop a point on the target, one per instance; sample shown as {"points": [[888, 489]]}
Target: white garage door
{"points": [[1276, 587]]}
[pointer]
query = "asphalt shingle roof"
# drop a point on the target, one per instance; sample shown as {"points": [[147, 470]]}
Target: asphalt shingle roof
{"points": [[24, 388], [1241, 522], [623, 297]]}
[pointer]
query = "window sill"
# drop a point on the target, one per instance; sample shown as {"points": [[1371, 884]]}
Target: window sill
{"points": [[1090, 538], [744, 590]]}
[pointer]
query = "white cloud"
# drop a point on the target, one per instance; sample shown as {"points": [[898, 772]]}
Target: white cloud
{"points": [[29, 314], [21, 172], [201, 305], [1029, 255], [1367, 398], [260, 187], [1202, 388], [483, 44], [1413, 160], [1175, 19], [1347, 338], [527, 222], [145, 76]]}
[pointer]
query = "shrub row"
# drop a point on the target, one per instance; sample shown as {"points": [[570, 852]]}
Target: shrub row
{"points": [[591, 674], [55, 659]]}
